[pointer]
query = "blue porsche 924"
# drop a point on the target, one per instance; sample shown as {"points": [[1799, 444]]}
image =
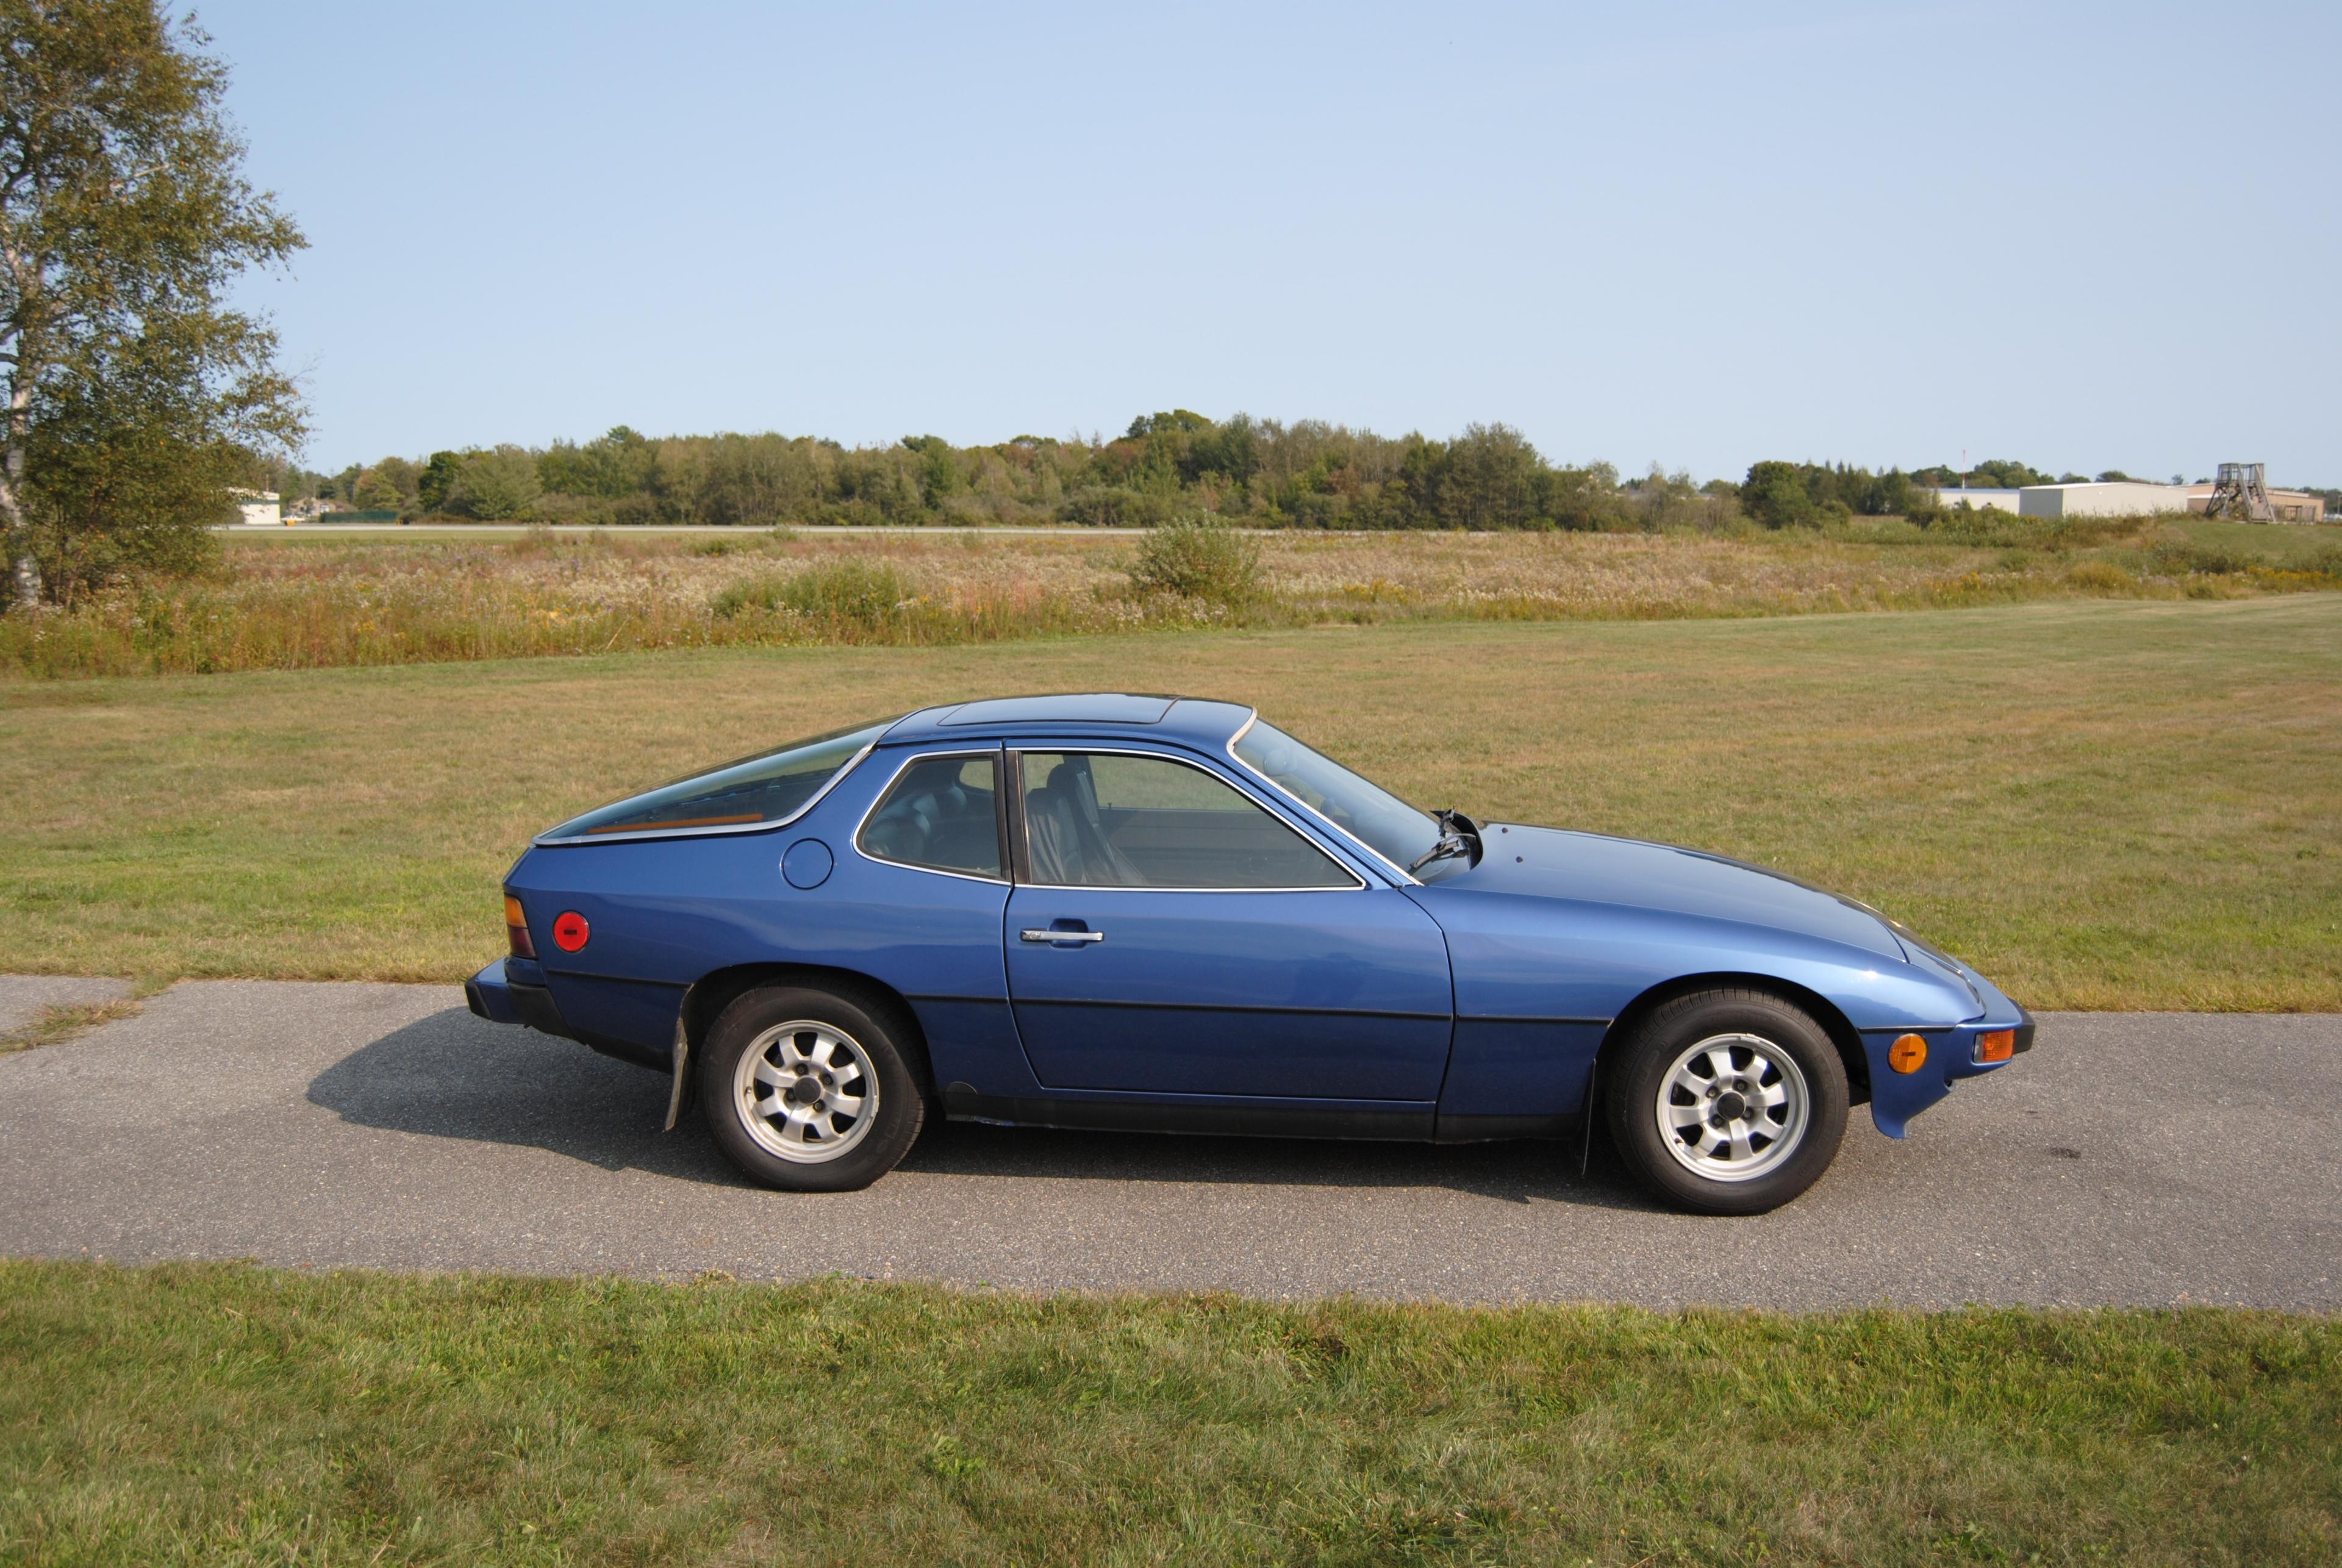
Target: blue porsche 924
{"points": [[1162, 914]]}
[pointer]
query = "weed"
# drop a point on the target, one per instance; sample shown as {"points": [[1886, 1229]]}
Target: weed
{"points": [[1200, 556]]}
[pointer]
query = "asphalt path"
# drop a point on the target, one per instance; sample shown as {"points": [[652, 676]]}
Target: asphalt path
{"points": [[2131, 1158], [817, 530]]}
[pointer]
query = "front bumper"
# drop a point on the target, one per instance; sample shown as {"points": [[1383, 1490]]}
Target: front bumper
{"points": [[1897, 1097], [495, 996]]}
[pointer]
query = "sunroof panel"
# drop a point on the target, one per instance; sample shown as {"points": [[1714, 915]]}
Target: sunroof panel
{"points": [[1092, 709]]}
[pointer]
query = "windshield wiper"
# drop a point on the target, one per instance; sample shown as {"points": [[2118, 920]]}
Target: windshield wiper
{"points": [[1458, 834]]}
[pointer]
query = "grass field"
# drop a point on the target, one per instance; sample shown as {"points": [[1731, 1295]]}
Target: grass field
{"points": [[296, 599], [2102, 803], [226, 1415]]}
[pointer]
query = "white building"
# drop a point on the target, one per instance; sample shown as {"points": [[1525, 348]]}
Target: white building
{"points": [[2100, 498], [259, 507], [1977, 500]]}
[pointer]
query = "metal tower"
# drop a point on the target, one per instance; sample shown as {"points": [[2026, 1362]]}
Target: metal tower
{"points": [[2241, 492]]}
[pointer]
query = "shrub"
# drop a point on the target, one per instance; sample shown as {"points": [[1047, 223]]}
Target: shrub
{"points": [[854, 591], [2176, 560], [1115, 506], [2100, 577], [1199, 557]]}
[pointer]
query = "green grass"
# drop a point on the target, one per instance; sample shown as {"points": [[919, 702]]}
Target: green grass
{"points": [[2102, 804], [222, 1414]]}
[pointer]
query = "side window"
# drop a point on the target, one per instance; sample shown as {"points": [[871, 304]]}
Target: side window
{"points": [[1096, 819], [940, 814]]}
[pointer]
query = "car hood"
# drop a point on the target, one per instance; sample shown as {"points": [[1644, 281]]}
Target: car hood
{"points": [[1590, 867]]}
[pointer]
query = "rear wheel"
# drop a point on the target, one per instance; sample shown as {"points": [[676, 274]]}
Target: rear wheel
{"points": [[1728, 1102], [810, 1091]]}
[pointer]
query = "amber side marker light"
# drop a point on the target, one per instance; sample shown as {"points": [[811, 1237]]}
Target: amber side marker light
{"points": [[1907, 1055], [1995, 1046], [516, 929]]}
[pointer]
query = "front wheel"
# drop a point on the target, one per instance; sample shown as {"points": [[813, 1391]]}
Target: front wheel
{"points": [[809, 1091], [1728, 1102]]}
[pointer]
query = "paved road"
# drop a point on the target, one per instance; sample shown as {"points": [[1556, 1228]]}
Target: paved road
{"points": [[2132, 1158], [815, 531]]}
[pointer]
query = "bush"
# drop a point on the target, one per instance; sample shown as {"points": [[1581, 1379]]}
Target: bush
{"points": [[2100, 577], [1199, 557], [2176, 560], [1115, 506], [856, 593]]}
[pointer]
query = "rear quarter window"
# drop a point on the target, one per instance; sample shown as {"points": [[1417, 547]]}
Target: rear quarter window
{"points": [[767, 788]]}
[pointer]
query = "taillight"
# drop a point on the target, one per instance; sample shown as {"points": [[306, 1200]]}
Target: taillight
{"points": [[516, 929]]}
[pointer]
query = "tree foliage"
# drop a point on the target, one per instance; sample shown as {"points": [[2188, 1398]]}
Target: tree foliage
{"points": [[1992, 473], [1790, 494], [136, 399], [1258, 472]]}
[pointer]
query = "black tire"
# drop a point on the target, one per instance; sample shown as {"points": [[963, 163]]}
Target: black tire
{"points": [[862, 1147], [1752, 1040]]}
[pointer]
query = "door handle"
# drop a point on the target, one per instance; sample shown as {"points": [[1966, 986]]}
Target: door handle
{"points": [[1031, 934]]}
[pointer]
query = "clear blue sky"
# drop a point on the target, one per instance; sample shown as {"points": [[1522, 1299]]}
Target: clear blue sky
{"points": [[2089, 236]]}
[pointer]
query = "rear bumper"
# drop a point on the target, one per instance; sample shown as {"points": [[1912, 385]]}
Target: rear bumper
{"points": [[501, 1000]]}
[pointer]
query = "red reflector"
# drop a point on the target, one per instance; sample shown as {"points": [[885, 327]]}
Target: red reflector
{"points": [[1997, 1045], [516, 929], [570, 931]]}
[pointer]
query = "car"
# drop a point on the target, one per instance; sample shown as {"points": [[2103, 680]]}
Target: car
{"points": [[1162, 914]]}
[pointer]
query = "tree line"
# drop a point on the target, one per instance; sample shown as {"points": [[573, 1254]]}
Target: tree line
{"points": [[1308, 473]]}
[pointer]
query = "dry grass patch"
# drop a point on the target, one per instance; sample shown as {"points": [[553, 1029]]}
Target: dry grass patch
{"points": [[317, 602], [65, 1021]]}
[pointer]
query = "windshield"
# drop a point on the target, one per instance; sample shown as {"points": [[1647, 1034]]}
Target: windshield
{"points": [[1366, 812], [769, 788]]}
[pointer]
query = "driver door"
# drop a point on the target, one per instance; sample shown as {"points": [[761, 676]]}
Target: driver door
{"points": [[1168, 936]]}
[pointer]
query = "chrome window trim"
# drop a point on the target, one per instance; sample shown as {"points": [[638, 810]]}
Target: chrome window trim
{"points": [[1369, 851], [724, 829], [1067, 748], [1000, 776]]}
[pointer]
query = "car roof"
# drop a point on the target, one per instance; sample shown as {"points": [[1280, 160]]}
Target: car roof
{"points": [[1197, 722]]}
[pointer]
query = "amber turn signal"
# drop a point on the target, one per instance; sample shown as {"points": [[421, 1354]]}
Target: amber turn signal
{"points": [[1907, 1055], [1995, 1046], [516, 929]]}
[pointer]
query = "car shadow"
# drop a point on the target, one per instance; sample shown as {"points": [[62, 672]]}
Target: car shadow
{"points": [[452, 1075]]}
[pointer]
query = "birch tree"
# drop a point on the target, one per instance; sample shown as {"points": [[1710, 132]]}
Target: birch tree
{"points": [[135, 393]]}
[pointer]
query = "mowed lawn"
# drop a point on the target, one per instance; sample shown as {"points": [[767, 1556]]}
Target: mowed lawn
{"points": [[227, 1415], [2114, 804]]}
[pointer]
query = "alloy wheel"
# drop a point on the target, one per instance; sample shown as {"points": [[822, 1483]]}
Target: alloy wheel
{"points": [[1733, 1107], [806, 1091]]}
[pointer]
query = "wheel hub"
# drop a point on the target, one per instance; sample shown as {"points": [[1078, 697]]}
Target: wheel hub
{"points": [[1733, 1107], [806, 1091]]}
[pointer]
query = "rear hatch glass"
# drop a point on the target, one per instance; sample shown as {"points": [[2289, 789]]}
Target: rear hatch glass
{"points": [[755, 791]]}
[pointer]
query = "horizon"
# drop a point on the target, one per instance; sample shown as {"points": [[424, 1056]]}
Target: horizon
{"points": [[1825, 232]]}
